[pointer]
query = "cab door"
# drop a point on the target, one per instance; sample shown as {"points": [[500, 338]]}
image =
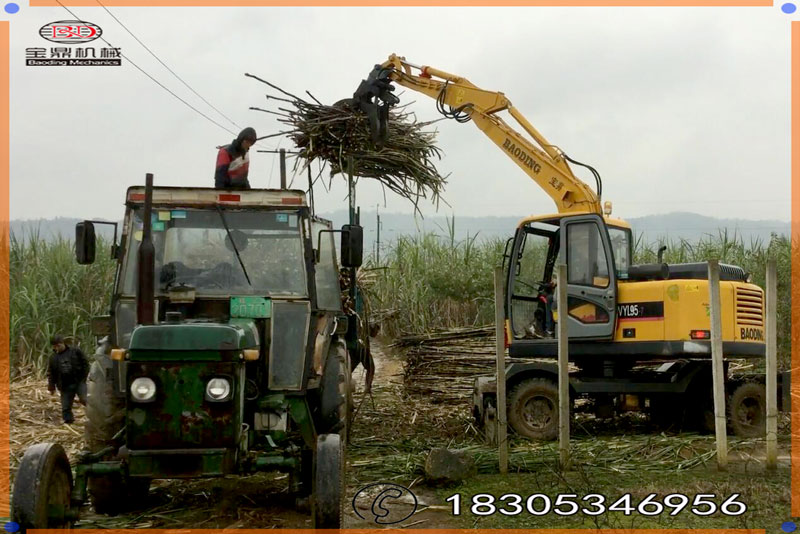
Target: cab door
{"points": [[529, 268], [591, 278]]}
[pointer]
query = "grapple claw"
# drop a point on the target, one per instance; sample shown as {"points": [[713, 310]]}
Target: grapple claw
{"points": [[374, 97]]}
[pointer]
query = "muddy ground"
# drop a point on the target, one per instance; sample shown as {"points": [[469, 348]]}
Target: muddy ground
{"points": [[391, 434]]}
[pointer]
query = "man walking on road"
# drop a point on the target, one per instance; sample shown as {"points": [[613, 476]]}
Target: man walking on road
{"points": [[67, 371]]}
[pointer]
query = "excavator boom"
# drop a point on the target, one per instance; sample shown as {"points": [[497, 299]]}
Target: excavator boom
{"points": [[458, 98]]}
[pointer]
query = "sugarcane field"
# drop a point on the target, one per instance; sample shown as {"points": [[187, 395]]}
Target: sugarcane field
{"points": [[402, 302]]}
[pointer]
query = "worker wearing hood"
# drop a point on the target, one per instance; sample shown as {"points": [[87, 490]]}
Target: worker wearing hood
{"points": [[233, 162]]}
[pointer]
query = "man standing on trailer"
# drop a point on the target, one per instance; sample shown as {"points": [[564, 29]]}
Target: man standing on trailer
{"points": [[67, 371], [233, 162]]}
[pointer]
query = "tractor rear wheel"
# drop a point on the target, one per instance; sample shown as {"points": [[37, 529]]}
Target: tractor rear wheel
{"points": [[329, 482], [42, 489], [105, 417], [336, 395]]}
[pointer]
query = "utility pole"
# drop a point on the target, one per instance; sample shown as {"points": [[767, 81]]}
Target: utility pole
{"points": [[378, 246]]}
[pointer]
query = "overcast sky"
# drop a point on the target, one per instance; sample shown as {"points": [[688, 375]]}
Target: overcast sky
{"points": [[679, 109]]}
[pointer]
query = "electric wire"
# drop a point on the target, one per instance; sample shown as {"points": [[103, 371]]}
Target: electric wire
{"points": [[153, 79], [166, 66]]}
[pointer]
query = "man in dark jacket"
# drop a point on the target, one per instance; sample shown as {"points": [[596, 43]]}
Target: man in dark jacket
{"points": [[67, 371], [233, 162]]}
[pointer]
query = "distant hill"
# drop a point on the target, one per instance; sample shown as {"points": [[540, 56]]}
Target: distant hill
{"points": [[653, 228], [692, 227], [675, 226]]}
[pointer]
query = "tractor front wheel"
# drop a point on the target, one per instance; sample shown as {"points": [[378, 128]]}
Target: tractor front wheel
{"points": [[42, 489]]}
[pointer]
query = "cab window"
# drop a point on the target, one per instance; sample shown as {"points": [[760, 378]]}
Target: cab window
{"points": [[587, 264]]}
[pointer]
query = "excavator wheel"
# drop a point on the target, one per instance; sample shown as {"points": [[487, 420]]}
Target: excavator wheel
{"points": [[533, 409], [747, 412]]}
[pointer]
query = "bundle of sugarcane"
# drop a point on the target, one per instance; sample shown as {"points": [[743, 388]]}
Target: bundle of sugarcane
{"points": [[339, 134], [437, 337], [443, 364]]}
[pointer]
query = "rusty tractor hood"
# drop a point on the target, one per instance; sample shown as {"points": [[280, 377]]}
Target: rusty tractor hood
{"points": [[181, 359], [193, 340]]}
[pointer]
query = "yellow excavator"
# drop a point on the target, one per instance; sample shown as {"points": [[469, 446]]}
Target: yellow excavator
{"points": [[639, 335]]}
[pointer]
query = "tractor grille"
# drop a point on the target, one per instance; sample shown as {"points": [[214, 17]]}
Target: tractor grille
{"points": [[749, 307]]}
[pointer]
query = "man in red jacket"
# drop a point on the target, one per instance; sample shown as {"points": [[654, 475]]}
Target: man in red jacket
{"points": [[233, 162]]}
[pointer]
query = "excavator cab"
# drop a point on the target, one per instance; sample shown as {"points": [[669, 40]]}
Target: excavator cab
{"points": [[594, 261]]}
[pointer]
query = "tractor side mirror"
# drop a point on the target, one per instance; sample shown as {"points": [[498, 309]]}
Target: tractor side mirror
{"points": [[85, 242], [352, 245]]}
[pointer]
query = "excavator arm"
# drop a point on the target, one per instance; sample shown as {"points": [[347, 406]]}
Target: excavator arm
{"points": [[545, 163]]}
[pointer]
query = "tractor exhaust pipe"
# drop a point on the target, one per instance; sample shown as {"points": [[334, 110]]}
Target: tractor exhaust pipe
{"points": [[145, 291], [283, 168]]}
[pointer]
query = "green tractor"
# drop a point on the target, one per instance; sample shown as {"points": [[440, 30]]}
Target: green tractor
{"points": [[227, 351]]}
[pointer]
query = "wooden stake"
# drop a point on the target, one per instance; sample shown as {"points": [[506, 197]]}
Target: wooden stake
{"points": [[772, 364], [717, 367], [500, 349], [563, 369]]}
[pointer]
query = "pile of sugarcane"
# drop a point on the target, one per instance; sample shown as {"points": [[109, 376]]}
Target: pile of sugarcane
{"points": [[340, 136], [443, 364]]}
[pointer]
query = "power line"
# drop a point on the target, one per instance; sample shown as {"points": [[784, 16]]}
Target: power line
{"points": [[154, 80], [166, 66]]}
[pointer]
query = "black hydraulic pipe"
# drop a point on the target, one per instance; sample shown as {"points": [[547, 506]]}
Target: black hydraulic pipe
{"points": [[145, 291]]}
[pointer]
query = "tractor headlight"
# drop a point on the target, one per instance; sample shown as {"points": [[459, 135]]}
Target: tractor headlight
{"points": [[218, 390], [143, 389]]}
